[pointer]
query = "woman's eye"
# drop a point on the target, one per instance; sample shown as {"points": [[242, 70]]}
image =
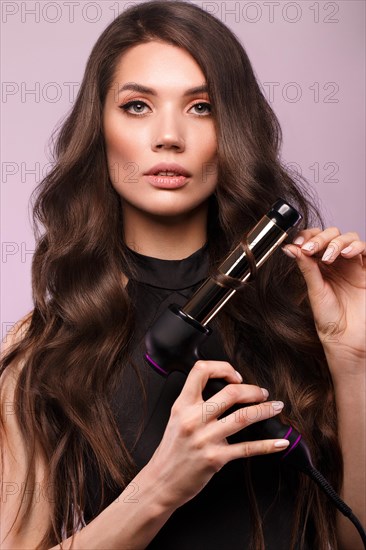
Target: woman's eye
{"points": [[137, 107], [206, 107]]}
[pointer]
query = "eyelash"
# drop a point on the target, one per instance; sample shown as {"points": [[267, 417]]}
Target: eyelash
{"points": [[126, 106]]}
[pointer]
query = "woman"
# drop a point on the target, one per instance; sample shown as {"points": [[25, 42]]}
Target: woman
{"points": [[119, 245]]}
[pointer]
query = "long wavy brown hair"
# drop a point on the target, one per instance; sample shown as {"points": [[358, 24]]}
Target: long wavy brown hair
{"points": [[78, 340]]}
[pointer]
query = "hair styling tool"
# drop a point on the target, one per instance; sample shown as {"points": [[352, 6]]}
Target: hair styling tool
{"points": [[173, 342]]}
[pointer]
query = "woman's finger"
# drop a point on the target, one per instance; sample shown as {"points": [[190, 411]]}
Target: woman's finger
{"points": [[354, 248], [306, 234], [244, 417], [329, 238], [200, 373], [247, 449], [231, 395], [343, 242], [309, 268]]}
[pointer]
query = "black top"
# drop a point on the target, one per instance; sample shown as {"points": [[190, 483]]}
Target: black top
{"points": [[219, 516]]}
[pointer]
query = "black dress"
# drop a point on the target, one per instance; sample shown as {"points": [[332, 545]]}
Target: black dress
{"points": [[219, 516]]}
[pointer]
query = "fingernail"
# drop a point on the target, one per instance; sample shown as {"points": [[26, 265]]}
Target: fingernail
{"points": [[308, 246], [299, 240], [277, 405], [282, 443], [265, 392], [346, 250], [327, 254], [288, 253], [239, 375]]}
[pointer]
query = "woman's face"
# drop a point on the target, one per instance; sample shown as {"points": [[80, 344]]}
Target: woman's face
{"points": [[169, 123]]}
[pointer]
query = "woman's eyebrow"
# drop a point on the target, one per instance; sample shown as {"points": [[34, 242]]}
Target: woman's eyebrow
{"points": [[145, 90]]}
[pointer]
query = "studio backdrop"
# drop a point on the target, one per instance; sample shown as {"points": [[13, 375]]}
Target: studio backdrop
{"points": [[309, 58]]}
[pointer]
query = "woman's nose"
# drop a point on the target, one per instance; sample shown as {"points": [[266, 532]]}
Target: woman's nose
{"points": [[168, 133]]}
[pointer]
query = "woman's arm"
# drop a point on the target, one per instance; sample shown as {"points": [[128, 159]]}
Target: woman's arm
{"points": [[129, 522], [350, 391], [13, 532], [338, 300]]}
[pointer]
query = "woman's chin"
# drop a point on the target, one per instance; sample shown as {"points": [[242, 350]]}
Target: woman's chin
{"points": [[170, 211]]}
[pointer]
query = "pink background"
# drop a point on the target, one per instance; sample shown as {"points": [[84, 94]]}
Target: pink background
{"points": [[308, 56]]}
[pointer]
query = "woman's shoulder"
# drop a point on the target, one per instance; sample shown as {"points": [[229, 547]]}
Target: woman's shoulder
{"points": [[13, 460], [16, 332], [11, 339]]}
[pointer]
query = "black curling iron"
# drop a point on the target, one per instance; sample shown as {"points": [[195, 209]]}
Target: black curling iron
{"points": [[173, 346]]}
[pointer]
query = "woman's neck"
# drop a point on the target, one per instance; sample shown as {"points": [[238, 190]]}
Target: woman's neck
{"points": [[165, 237]]}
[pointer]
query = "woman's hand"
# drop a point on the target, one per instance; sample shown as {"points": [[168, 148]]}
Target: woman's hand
{"points": [[333, 267], [194, 445]]}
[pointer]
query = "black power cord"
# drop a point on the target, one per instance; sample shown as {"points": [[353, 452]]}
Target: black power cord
{"points": [[297, 455], [323, 484]]}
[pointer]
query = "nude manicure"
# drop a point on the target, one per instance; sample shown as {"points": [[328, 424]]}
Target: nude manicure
{"points": [[282, 443], [239, 375], [308, 246], [288, 253], [346, 250], [277, 405], [327, 254], [299, 240]]}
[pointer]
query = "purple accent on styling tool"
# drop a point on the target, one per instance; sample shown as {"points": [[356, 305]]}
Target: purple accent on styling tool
{"points": [[152, 362], [292, 447], [288, 433]]}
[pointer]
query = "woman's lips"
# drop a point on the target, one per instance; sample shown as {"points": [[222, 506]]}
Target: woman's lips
{"points": [[167, 182]]}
